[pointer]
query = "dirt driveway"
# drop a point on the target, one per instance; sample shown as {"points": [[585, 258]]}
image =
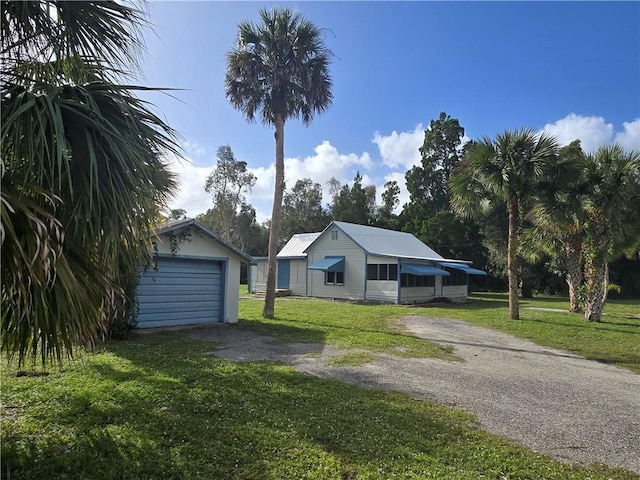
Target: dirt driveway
{"points": [[575, 410]]}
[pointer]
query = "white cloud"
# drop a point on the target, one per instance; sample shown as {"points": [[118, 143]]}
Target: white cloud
{"points": [[190, 194], [400, 149], [326, 162], [192, 148], [629, 138], [591, 131]]}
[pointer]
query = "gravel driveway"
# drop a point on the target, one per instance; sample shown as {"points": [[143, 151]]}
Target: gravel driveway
{"points": [[576, 410]]}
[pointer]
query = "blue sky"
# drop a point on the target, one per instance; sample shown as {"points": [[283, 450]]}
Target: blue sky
{"points": [[571, 68]]}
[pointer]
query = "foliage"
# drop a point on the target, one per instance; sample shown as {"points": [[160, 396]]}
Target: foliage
{"points": [[227, 184], [611, 210], [278, 70], [506, 169], [302, 210], [385, 216], [83, 179], [356, 204], [427, 183]]}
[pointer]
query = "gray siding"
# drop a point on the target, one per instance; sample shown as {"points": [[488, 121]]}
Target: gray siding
{"points": [[298, 277], [354, 270]]}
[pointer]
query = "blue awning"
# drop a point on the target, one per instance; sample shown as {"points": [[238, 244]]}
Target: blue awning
{"points": [[463, 267], [422, 270], [331, 264]]}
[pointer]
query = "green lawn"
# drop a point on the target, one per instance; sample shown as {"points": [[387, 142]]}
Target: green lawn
{"points": [[157, 406], [615, 340]]}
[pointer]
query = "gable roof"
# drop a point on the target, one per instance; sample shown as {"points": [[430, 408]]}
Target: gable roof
{"points": [[380, 241], [297, 244], [190, 222]]}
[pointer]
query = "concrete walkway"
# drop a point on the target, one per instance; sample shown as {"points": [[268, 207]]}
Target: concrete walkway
{"points": [[576, 410]]}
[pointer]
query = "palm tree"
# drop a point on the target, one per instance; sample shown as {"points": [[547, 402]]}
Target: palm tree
{"points": [[611, 209], [83, 177], [558, 217], [279, 69], [506, 169]]}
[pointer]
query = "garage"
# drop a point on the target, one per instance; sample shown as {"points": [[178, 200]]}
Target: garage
{"points": [[194, 279], [181, 291]]}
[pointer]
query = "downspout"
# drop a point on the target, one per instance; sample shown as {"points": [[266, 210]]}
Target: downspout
{"points": [[399, 282], [366, 275]]}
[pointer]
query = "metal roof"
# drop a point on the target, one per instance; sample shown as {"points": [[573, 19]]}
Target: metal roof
{"points": [[297, 245], [380, 241]]}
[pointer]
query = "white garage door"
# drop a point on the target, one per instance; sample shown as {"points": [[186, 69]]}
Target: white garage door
{"points": [[180, 292]]}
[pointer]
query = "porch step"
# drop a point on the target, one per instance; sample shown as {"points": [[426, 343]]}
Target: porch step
{"points": [[280, 292]]}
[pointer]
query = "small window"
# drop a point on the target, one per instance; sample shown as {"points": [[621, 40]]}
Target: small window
{"points": [[372, 271], [383, 271], [456, 277], [334, 234], [333, 278], [410, 280], [393, 271]]}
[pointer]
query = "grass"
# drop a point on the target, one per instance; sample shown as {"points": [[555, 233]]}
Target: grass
{"points": [[344, 325], [351, 359], [156, 406], [614, 340]]}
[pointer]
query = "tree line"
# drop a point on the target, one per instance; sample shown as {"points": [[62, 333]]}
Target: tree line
{"points": [[532, 213]]}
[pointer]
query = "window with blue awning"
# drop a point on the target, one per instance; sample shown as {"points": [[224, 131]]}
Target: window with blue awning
{"points": [[422, 270], [329, 264], [462, 267]]}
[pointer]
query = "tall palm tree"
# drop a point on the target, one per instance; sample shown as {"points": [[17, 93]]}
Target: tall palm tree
{"points": [[83, 177], [611, 209], [559, 219], [506, 169], [279, 70]]}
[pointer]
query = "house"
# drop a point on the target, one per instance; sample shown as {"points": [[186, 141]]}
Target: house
{"points": [[194, 279], [358, 262], [291, 266]]}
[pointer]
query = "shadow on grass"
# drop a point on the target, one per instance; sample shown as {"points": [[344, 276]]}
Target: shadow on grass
{"points": [[593, 325], [499, 347], [191, 416]]}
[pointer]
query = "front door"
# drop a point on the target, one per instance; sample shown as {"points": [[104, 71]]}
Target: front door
{"points": [[283, 274]]}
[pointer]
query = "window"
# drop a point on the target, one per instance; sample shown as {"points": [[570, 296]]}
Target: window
{"points": [[383, 271], [456, 277], [410, 280], [372, 271], [334, 234], [333, 278]]}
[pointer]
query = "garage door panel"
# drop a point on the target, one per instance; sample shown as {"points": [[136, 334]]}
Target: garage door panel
{"points": [[181, 306], [180, 291], [177, 266], [175, 322], [167, 289]]}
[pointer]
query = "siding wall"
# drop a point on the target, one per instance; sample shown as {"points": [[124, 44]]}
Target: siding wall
{"points": [[258, 276], [200, 245], [455, 293], [421, 294], [382, 290], [298, 277], [354, 269]]}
